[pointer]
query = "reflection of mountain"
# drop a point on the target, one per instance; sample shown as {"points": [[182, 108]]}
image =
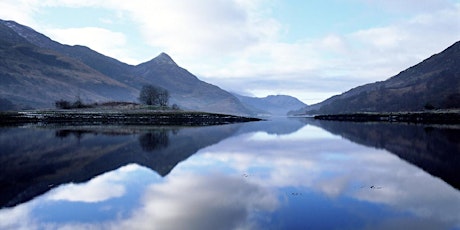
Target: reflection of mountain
{"points": [[35, 160], [434, 149], [32, 161], [281, 126]]}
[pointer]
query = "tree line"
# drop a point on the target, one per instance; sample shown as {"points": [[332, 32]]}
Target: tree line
{"points": [[148, 95]]}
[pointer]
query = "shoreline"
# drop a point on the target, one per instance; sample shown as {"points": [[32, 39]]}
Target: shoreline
{"points": [[423, 117], [120, 117]]}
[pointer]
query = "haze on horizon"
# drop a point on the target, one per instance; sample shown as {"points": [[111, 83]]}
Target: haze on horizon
{"points": [[308, 49]]}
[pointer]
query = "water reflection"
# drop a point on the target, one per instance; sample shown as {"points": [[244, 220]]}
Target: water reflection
{"points": [[247, 176], [154, 140], [362, 185], [435, 149], [193, 201], [36, 160]]}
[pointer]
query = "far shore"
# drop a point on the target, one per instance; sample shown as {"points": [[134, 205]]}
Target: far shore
{"points": [[425, 117], [119, 116]]}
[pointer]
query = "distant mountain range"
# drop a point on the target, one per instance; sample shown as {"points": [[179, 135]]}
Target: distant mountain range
{"points": [[276, 105], [431, 84], [36, 71]]}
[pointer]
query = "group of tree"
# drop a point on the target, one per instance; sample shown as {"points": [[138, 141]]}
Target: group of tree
{"points": [[154, 95], [149, 95], [63, 104]]}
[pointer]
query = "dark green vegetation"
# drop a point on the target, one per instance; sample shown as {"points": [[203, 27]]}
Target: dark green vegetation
{"points": [[429, 85]]}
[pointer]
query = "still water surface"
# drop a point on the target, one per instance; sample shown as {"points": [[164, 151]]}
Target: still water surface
{"points": [[281, 174]]}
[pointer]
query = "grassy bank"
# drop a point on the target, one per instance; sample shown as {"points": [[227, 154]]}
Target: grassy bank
{"points": [[140, 116], [426, 117]]}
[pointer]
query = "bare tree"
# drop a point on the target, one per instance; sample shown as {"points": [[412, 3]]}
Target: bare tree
{"points": [[154, 95]]}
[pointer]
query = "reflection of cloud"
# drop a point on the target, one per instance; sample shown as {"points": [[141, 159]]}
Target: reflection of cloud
{"points": [[26, 216], [184, 201], [100, 188], [194, 202], [339, 168], [333, 187], [18, 217], [404, 186], [93, 191]]}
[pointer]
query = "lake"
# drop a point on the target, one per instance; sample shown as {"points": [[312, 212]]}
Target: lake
{"points": [[277, 174]]}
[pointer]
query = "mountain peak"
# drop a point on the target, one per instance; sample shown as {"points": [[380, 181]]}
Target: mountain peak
{"points": [[164, 58]]}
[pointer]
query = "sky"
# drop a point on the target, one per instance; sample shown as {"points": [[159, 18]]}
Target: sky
{"points": [[308, 49]]}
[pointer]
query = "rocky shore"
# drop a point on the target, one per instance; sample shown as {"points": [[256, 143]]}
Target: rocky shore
{"points": [[119, 117], [435, 117]]}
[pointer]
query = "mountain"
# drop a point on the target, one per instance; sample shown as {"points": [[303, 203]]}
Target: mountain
{"points": [[277, 105], [187, 90], [431, 84], [35, 71], [32, 76]]}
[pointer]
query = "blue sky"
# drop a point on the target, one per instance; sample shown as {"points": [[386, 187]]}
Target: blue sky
{"points": [[308, 49]]}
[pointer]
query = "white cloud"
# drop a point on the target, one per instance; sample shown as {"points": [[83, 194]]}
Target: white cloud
{"points": [[69, 3], [18, 10], [113, 44], [185, 29], [396, 47], [209, 27], [408, 6]]}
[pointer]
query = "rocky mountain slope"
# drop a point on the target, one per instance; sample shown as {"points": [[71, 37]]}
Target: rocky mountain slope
{"points": [[31, 76], [35, 71], [431, 84], [186, 89]]}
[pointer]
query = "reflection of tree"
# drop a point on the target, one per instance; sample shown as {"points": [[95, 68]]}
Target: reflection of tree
{"points": [[154, 140], [65, 133]]}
